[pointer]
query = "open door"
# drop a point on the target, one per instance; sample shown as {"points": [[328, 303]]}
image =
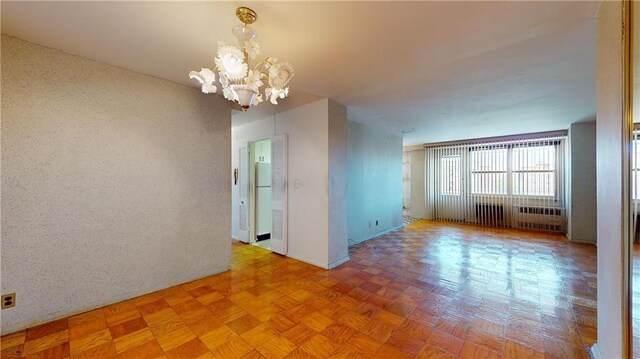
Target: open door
{"points": [[243, 190], [279, 194]]}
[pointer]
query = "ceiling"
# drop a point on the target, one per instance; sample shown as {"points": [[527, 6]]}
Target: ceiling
{"points": [[443, 70]]}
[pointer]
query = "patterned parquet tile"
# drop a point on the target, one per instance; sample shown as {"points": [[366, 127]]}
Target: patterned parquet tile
{"points": [[432, 290]]}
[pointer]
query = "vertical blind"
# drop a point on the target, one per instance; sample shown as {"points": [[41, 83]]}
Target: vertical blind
{"points": [[516, 183]]}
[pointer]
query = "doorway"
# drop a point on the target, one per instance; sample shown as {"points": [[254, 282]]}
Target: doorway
{"points": [[260, 187], [261, 177]]}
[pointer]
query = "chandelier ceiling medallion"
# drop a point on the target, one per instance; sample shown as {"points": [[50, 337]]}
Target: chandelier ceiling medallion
{"points": [[239, 81]]}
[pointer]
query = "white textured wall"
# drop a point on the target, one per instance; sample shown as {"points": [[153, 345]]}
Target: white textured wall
{"points": [[308, 168], [114, 184], [338, 236], [374, 182], [609, 140], [308, 130], [582, 182]]}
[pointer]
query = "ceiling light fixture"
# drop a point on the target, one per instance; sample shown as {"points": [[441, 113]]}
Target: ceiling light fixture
{"points": [[240, 82]]}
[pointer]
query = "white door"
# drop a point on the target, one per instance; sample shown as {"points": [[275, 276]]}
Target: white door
{"points": [[243, 190], [279, 194]]}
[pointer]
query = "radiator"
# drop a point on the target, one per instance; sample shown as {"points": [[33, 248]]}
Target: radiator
{"points": [[540, 218]]}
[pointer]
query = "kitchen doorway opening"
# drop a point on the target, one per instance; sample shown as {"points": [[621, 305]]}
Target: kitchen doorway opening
{"points": [[261, 178]]}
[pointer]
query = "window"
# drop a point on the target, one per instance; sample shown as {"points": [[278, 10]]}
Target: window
{"points": [[450, 175], [528, 168], [516, 181], [533, 170], [488, 171]]}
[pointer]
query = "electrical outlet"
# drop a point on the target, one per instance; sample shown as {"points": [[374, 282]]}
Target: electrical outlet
{"points": [[8, 300]]}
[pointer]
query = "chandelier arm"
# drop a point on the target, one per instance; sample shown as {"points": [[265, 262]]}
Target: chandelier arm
{"points": [[257, 66]]}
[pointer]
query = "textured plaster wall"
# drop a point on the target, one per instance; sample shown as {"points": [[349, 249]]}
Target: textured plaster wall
{"points": [[374, 182], [114, 184], [609, 167]]}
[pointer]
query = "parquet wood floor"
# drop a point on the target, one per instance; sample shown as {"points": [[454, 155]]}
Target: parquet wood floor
{"points": [[433, 290]]}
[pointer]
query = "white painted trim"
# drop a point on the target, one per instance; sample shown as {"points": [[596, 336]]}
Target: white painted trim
{"points": [[235, 238], [580, 241], [339, 262], [508, 138], [594, 352], [380, 234], [313, 263]]}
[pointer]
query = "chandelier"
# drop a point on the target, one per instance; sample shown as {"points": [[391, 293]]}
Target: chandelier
{"points": [[240, 82]]}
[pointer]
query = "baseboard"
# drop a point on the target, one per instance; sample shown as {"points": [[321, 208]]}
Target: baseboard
{"points": [[582, 241], [338, 262], [379, 234], [313, 263], [50, 317], [594, 352], [239, 240]]}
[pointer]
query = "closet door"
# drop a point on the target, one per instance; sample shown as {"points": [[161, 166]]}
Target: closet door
{"points": [[279, 194], [243, 190]]}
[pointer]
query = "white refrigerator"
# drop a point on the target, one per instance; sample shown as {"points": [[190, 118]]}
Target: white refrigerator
{"points": [[263, 200]]}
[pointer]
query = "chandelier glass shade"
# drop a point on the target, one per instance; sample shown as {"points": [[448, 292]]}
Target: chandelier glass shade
{"points": [[240, 81]]}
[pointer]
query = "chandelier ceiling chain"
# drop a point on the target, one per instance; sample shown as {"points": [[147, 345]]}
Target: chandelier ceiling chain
{"points": [[240, 82]]}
